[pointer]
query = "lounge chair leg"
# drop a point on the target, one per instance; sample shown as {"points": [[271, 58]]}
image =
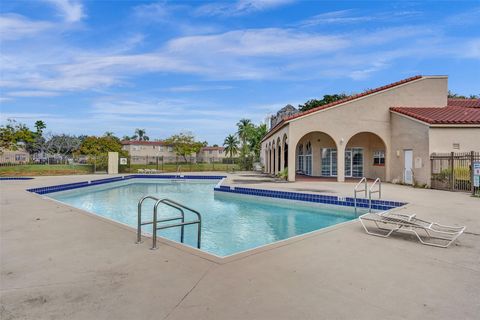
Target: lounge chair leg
{"points": [[378, 234]]}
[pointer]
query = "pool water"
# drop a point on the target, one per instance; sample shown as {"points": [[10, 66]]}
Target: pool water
{"points": [[230, 224]]}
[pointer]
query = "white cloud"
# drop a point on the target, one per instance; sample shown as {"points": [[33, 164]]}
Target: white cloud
{"points": [[33, 94], [196, 88], [70, 10], [255, 42], [15, 26], [239, 7]]}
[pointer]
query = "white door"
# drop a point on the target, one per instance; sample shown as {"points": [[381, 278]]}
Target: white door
{"points": [[407, 171]]}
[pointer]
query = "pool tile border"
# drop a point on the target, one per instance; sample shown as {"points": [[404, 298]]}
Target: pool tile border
{"points": [[16, 178], [308, 197], [76, 185]]}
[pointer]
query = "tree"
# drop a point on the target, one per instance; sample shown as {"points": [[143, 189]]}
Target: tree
{"points": [[328, 98], [108, 134], [140, 135], [98, 147], [184, 144], [255, 139], [39, 126], [61, 145], [231, 145], [14, 135], [458, 96]]}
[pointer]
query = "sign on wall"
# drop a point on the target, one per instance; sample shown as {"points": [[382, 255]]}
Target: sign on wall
{"points": [[476, 174], [123, 161]]}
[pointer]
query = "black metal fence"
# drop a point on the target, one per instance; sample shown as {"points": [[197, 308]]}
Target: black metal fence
{"points": [[21, 163], [454, 171], [152, 164]]}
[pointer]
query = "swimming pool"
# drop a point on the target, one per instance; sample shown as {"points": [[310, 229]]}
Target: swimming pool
{"points": [[230, 223]]}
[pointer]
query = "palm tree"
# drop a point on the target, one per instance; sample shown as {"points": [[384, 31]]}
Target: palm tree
{"points": [[245, 130], [256, 138], [231, 145], [140, 134], [108, 134], [39, 126]]}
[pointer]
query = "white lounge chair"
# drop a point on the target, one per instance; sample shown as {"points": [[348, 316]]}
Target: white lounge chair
{"points": [[429, 233], [141, 171]]}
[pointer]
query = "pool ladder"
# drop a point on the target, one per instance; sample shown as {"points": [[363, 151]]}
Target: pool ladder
{"points": [[180, 207], [368, 190]]}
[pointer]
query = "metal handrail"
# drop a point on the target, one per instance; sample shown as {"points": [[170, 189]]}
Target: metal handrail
{"points": [[154, 222], [355, 190], [371, 190]]}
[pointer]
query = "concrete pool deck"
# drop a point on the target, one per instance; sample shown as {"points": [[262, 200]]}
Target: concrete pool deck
{"points": [[59, 263]]}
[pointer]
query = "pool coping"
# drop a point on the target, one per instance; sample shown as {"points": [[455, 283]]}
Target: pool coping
{"points": [[250, 192]]}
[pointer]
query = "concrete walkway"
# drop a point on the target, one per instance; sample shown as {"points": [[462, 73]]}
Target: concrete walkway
{"points": [[60, 263]]}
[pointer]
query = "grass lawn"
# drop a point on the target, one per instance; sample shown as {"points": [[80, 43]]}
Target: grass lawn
{"points": [[172, 167], [44, 170]]}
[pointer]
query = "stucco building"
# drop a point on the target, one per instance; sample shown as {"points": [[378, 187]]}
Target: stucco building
{"points": [[142, 152], [211, 154], [388, 132]]}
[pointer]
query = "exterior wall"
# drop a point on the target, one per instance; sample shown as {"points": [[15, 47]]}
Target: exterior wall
{"points": [[14, 156], [368, 114], [442, 139], [149, 150], [215, 155], [409, 134]]}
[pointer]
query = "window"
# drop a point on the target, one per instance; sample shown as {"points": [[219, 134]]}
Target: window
{"points": [[135, 148], [161, 148], [379, 158], [170, 149], [210, 152], [20, 157]]}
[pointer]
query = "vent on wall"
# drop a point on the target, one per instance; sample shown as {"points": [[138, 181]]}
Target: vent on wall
{"points": [[456, 146]]}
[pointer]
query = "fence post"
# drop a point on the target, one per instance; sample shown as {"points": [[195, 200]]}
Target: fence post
{"points": [[452, 176], [157, 162], [472, 159]]}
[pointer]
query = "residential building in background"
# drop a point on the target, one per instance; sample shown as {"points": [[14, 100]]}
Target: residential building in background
{"points": [[147, 152]]}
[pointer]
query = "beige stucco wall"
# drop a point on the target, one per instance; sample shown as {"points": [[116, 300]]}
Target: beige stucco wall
{"points": [[409, 134], [367, 114], [151, 151], [442, 139]]}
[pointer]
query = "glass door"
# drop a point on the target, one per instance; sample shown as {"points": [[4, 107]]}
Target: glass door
{"points": [[348, 162], [329, 162]]}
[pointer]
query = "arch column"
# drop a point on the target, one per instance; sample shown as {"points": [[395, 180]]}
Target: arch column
{"points": [[272, 160], [292, 161], [341, 161]]}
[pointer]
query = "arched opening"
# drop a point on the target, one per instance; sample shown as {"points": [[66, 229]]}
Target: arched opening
{"points": [[316, 155], [273, 153], [365, 154], [285, 151], [279, 155]]}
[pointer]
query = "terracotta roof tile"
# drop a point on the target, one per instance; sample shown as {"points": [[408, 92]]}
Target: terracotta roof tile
{"points": [[444, 115], [466, 103]]}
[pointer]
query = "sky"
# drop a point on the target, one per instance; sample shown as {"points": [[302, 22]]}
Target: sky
{"points": [[87, 67]]}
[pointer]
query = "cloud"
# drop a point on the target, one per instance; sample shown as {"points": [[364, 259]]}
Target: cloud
{"points": [[257, 42], [197, 88], [33, 94], [15, 26], [158, 11], [70, 10], [240, 7], [351, 16]]}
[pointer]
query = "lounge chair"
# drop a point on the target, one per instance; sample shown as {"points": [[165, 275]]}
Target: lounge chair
{"points": [[429, 233], [141, 171]]}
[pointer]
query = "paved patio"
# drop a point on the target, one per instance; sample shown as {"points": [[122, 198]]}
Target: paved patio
{"points": [[59, 263]]}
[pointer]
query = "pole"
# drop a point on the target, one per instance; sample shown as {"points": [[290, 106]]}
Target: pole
{"points": [[472, 177], [452, 186]]}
